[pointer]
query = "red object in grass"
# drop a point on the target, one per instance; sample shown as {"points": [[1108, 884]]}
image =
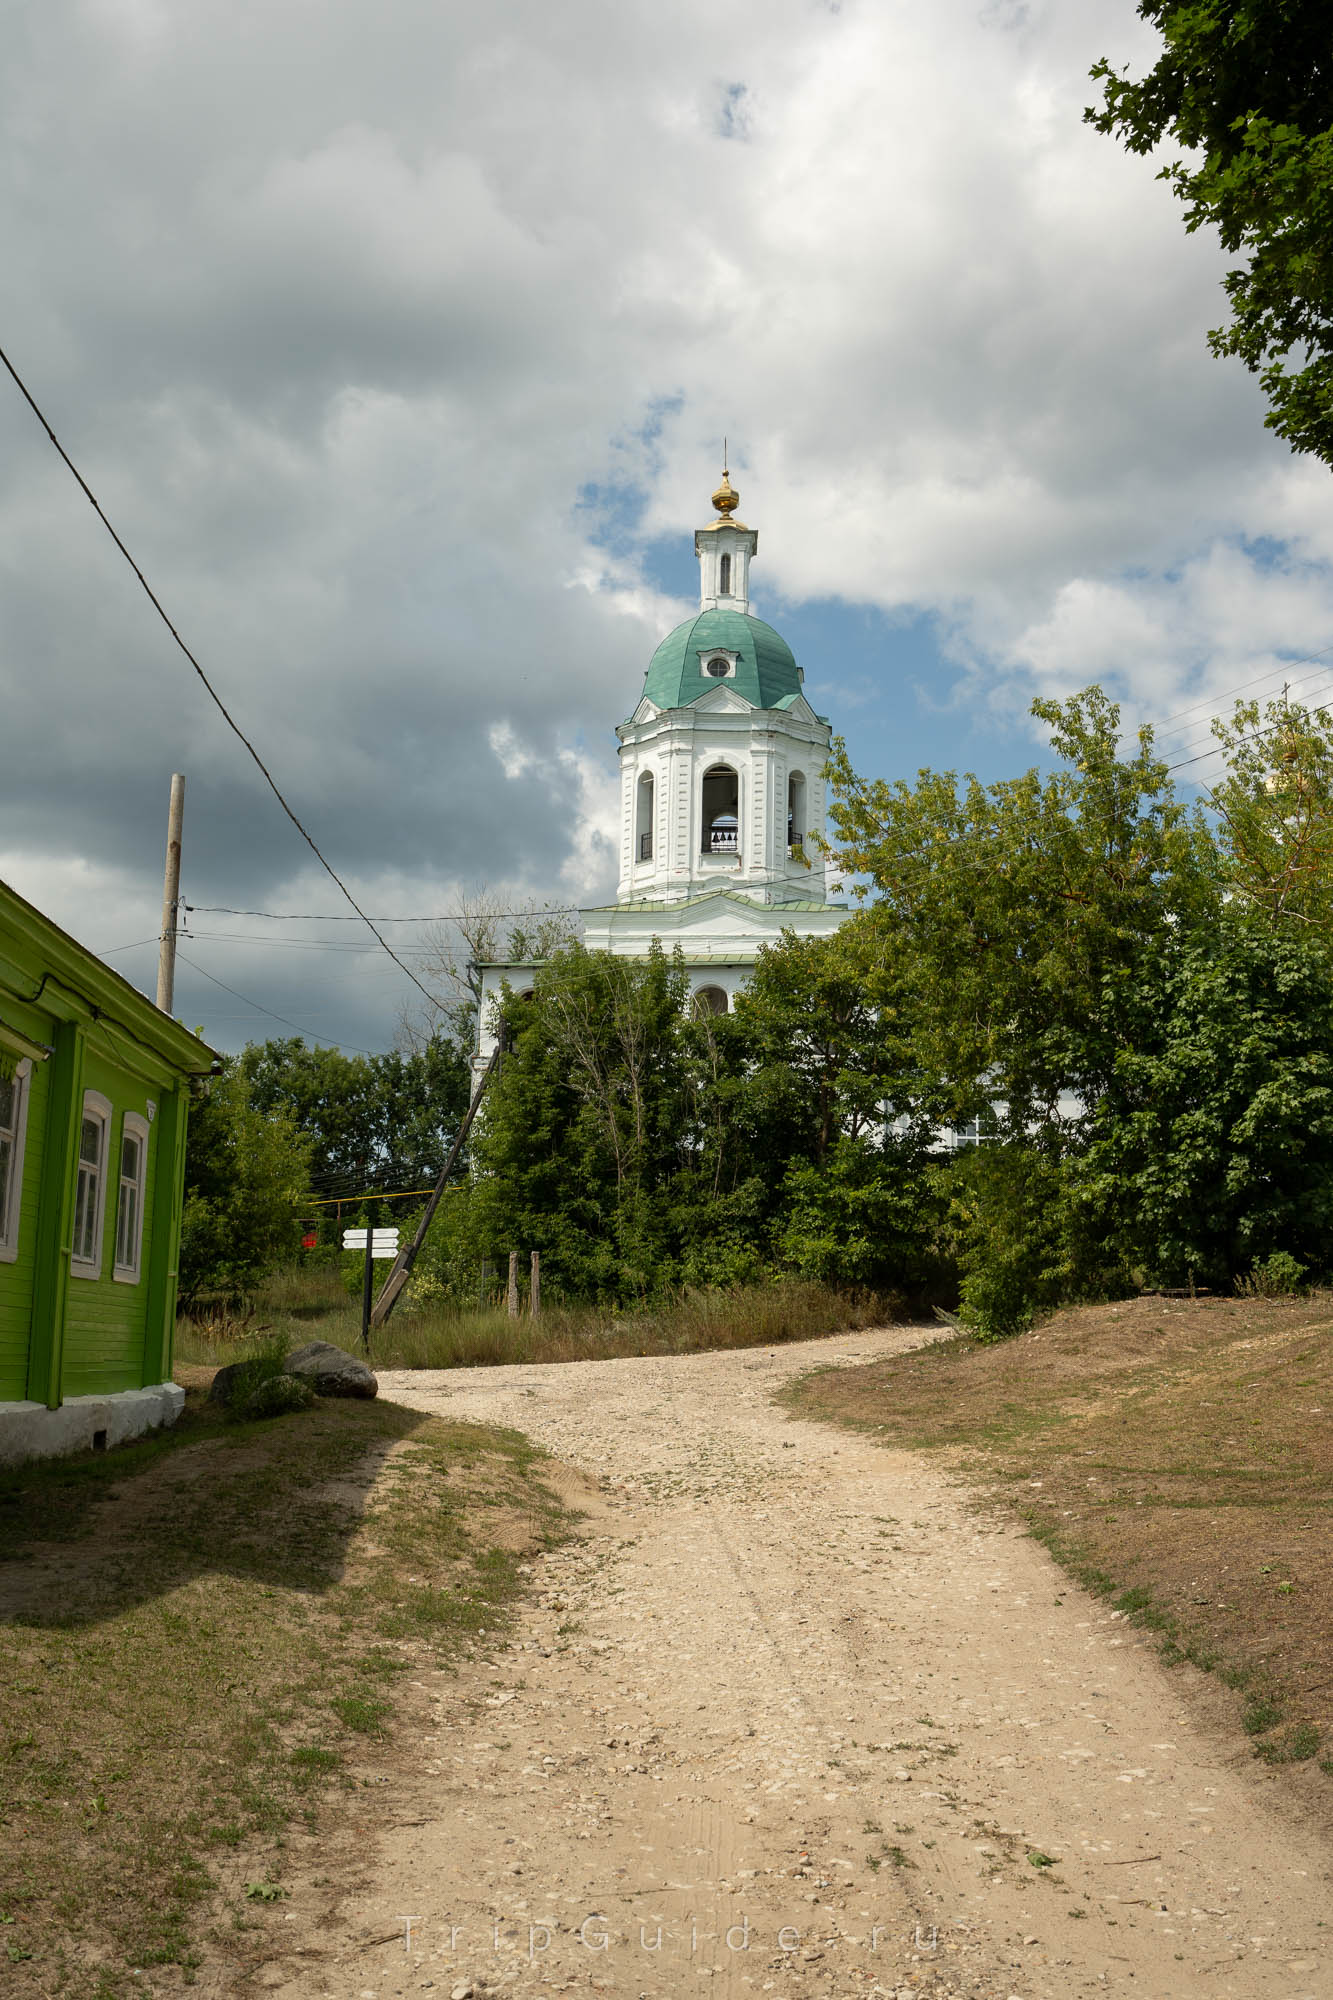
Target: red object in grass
{"points": [[310, 1241]]}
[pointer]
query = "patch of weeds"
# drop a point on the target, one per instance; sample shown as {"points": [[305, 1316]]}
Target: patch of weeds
{"points": [[1259, 1714], [899, 1858], [312, 1760], [873, 1863], [265, 1892], [363, 1713], [1040, 1860], [1294, 1746]]}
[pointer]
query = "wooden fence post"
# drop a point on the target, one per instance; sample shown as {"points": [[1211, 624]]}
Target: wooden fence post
{"points": [[513, 1284], [535, 1286]]}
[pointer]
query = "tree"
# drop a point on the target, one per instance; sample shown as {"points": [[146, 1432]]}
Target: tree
{"points": [[481, 931], [1246, 87], [371, 1120], [1021, 915], [246, 1172], [1275, 808], [1214, 1146], [587, 1123]]}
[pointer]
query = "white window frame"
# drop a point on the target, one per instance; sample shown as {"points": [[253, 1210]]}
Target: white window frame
{"points": [[132, 1126], [11, 1196], [98, 1107]]}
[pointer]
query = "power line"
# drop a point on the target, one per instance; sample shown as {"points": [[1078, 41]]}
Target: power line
{"points": [[212, 691], [321, 917], [1226, 694], [268, 1010]]}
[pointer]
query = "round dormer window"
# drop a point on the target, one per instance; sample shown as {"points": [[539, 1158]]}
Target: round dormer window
{"points": [[719, 667]]}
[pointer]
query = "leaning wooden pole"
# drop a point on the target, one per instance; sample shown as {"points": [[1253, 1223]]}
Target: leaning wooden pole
{"points": [[407, 1257]]}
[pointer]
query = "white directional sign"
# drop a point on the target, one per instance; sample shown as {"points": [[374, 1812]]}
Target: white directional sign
{"points": [[383, 1246]]}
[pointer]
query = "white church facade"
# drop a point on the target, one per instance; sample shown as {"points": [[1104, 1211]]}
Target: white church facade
{"points": [[721, 794]]}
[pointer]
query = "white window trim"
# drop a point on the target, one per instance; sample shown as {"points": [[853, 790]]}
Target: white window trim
{"points": [[95, 1106], [137, 1128], [9, 1244]]}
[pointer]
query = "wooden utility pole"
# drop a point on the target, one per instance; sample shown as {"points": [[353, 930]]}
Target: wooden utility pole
{"points": [[535, 1287], [367, 1283], [171, 889], [513, 1284], [403, 1262]]}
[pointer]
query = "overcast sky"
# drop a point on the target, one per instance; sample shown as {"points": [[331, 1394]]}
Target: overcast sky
{"points": [[398, 341]]}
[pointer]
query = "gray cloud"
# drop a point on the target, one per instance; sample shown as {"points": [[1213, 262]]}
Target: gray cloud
{"points": [[342, 310]]}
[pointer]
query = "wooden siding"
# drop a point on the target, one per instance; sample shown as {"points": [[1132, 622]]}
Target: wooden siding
{"points": [[105, 1318], [16, 1279]]}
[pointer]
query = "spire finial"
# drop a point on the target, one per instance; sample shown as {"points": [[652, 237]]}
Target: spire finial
{"points": [[726, 499]]}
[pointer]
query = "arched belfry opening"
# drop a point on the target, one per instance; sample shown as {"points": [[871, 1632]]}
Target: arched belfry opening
{"points": [[721, 810], [710, 1001], [796, 827], [643, 818]]}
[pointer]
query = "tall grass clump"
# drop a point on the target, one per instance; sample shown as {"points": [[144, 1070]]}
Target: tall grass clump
{"points": [[443, 1336]]}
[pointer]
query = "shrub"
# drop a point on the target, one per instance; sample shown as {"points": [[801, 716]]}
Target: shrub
{"points": [[1277, 1276], [277, 1396]]}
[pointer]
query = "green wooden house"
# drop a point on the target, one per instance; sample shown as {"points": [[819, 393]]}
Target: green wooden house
{"points": [[94, 1095]]}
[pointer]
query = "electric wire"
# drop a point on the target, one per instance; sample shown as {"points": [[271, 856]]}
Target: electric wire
{"points": [[218, 703], [265, 1010], [323, 917], [1227, 694]]}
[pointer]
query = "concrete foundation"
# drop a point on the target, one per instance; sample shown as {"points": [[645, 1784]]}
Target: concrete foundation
{"points": [[85, 1423]]}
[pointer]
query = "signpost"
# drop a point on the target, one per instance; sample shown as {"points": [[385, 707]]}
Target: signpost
{"points": [[384, 1247]]}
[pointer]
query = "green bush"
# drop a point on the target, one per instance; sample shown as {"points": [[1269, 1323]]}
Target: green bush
{"points": [[277, 1396], [1277, 1276]]}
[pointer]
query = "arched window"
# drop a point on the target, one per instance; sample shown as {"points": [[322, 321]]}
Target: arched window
{"points": [[724, 577], [721, 811], [710, 1000], [796, 828], [643, 818]]}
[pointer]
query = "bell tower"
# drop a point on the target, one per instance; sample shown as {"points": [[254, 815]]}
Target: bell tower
{"points": [[722, 761], [721, 795], [724, 549]]}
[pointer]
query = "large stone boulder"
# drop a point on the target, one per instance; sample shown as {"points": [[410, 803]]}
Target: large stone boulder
{"points": [[330, 1371], [229, 1381]]}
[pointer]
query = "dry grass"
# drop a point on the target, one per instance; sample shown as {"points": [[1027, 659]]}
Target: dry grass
{"points": [[203, 1635], [302, 1306], [1176, 1456]]}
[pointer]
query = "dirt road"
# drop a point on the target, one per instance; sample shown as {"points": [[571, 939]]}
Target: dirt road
{"points": [[795, 1718]]}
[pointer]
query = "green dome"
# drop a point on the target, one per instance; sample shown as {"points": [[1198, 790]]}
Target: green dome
{"points": [[766, 671]]}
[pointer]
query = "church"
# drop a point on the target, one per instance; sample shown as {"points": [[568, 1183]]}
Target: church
{"points": [[721, 794]]}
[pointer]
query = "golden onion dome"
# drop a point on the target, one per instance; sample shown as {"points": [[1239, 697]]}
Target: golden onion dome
{"points": [[726, 499]]}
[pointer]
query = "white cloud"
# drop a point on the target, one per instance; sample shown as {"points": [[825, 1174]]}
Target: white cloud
{"points": [[344, 318]]}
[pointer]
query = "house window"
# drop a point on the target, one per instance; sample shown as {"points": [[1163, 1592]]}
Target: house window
{"points": [[129, 1197], [724, 580], [90, 1189], [13, 1127]]}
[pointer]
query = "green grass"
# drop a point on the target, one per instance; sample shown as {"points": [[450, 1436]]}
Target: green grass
{"points": [[202, 1638], [293, 1308]]}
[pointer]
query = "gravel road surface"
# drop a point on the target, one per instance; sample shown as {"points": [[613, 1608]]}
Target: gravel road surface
{"points": [[796, 1716]]}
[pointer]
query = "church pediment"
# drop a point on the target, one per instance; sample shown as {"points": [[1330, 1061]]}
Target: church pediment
{"points": [[722, 700], [799, 708], [645, 712]]}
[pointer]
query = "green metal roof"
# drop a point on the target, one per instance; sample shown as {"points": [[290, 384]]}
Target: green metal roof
{"points": [[766, 675]]}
